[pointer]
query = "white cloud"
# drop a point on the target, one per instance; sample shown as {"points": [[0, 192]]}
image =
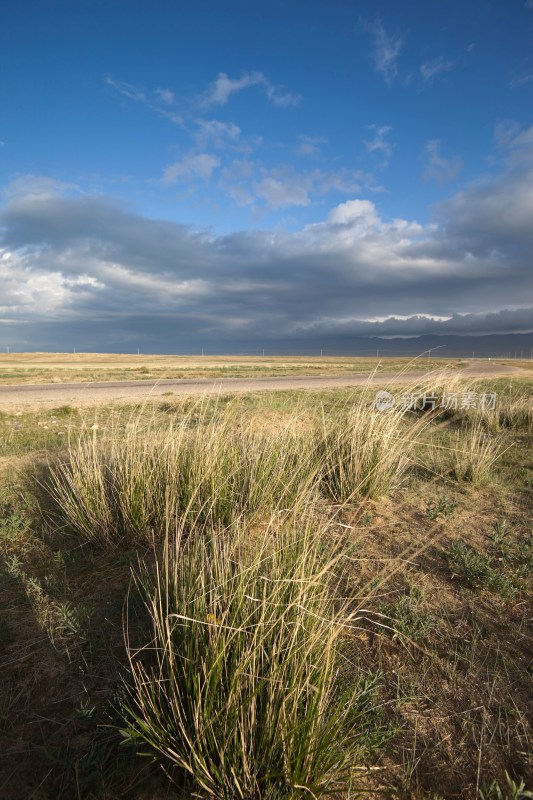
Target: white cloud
{"points": [[87, 264], [166, 96], [239, 194], [127, 89], [505, 132], [33, 291], [224, 87], [37, 187], [238, 170], [438, 168], [309, 145], [517, 141], [387, 48], [284, 186], [234, 181], [379, 143], [340, 180], [279, 193], [191, 166], [360, 213], [219, 134], [525, 77], [430, 69]]}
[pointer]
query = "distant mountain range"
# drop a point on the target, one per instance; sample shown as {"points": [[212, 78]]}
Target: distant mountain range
{"points": [[501, 345]]}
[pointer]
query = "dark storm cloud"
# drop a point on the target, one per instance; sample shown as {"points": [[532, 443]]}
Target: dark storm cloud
{"points": [[459, 324], [75, 261]]}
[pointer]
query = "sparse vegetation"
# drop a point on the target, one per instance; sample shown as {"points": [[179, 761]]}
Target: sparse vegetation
{"points": [[325, 599], [478, 569], [67, 368]]}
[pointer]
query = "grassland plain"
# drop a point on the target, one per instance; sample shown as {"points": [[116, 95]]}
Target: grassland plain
{"points": [[271, 595], [83, 367]]}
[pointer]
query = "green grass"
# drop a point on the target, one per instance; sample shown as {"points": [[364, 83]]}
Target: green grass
{"points": [[443, 507], [300, 633], [364, 453], [236, 684], [479, 570], [513, 790], [407, 617], [209, 466], [120, 481]]}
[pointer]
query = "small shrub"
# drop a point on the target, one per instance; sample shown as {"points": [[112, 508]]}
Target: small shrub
{"points": [[517, 414], [443, 507], [407, 617], [65, 411], [478, 570]]}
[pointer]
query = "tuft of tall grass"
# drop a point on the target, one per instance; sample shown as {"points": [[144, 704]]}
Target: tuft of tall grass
{"points": [[213, 464], [517, 414], [119, 485], [365, 452], [237, 685], [474, 453], [513, 409]]}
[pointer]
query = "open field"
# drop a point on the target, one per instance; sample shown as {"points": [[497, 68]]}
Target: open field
{"points": [[83, 367], [82, 393], [271, 594]]}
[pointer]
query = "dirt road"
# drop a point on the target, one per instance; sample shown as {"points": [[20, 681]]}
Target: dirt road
{"points": [[29, 396]]}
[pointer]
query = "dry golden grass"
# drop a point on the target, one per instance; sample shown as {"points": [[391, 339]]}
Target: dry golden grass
{"points": [[424, 616], [75, 367]]}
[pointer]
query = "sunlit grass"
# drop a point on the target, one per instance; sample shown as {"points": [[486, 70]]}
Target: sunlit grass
{"points": [[236, 685]]}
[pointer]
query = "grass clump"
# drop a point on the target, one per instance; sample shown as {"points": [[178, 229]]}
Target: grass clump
{"points": [[211, 463], [362, 452], [237, 688], [474, 454], [366, 452], [120, 486], [517, 414]]}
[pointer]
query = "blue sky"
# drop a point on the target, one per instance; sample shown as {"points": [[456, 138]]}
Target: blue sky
{"points": [[230, 171]]}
